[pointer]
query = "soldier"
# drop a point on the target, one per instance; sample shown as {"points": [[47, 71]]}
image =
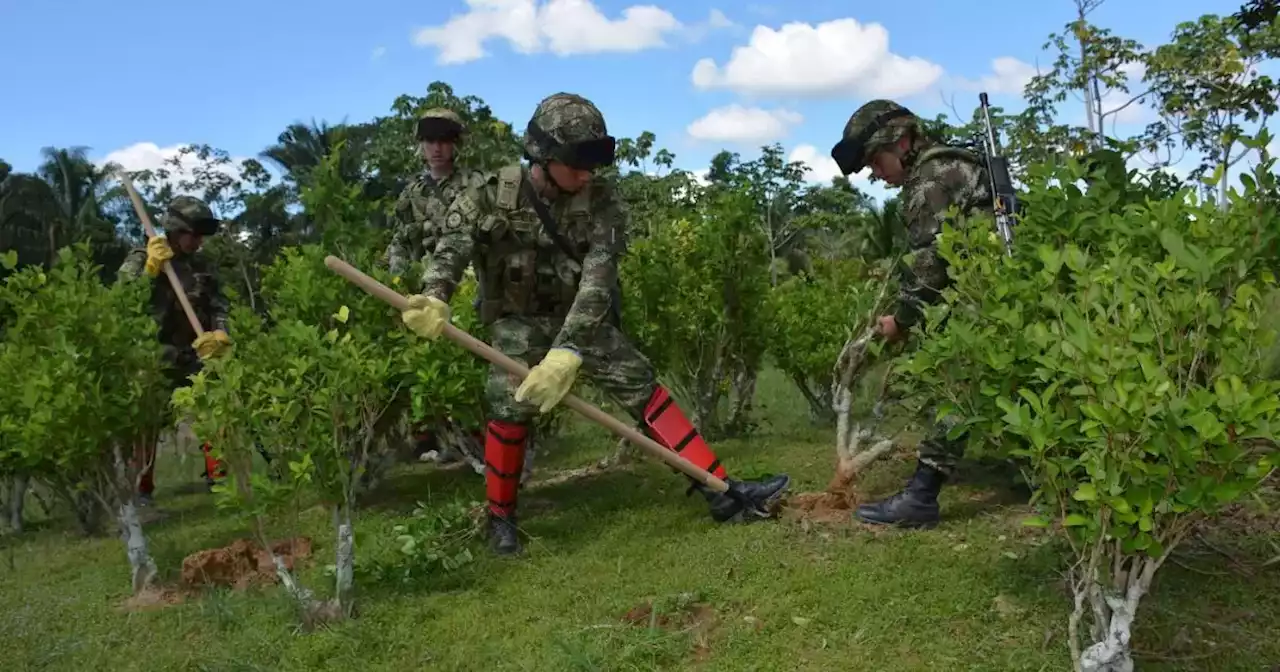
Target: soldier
{"points": [[186, 222], [420, 210], [548, 239], [889, 139]]}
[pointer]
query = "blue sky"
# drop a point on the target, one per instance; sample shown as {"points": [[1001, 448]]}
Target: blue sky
{"points": [[117, 76]]}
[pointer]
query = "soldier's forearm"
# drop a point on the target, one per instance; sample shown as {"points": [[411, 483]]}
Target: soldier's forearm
{"points": [[445, 270]]}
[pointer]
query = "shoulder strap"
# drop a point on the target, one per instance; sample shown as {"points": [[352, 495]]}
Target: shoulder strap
{"points": [[548, 222]]}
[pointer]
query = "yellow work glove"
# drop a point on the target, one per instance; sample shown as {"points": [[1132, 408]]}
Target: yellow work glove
{"points": [[550, 380], [426, 316], [158, 252], [212, 344]]}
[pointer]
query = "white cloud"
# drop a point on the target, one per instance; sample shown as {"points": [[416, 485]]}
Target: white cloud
{"points": [[1009, 75], [378, 52], [821, 167], [563, 27], [735, 123], [833, 58], [150, 156]]}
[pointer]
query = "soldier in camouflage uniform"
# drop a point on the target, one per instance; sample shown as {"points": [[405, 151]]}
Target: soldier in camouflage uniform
{"points": [[546, 298], [889, 139], [186, 222], [420, 211]]}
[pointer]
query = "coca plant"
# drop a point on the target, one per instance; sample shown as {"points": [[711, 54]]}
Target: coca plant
{"points": [[320, 381], [84, 390], [1118, 354]]}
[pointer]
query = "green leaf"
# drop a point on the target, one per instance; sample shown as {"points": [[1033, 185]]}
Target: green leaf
{"points": [[1075, 520], [1085, 493]]}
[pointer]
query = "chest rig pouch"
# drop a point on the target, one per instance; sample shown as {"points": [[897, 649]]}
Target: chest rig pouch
{"points": [[533, 269]]}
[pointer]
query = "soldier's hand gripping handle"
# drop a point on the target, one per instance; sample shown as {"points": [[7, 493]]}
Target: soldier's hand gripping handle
{"points": [[426, 316]]}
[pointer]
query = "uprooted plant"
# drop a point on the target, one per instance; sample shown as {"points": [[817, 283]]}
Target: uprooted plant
{"points": [[1117, 352]]}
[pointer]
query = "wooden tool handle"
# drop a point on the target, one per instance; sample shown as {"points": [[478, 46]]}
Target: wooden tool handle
{"points": [[486, 352], [141, 209]]}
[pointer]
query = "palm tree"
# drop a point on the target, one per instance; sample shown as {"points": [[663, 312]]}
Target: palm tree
{"points": [[300, 148], [60, 204]]}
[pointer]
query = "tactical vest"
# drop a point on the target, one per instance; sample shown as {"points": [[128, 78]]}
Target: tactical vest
{"points": [[525, 272], [427, 203]]}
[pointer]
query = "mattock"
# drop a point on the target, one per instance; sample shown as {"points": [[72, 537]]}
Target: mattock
{"points": [[150, 230], [593, 413]]}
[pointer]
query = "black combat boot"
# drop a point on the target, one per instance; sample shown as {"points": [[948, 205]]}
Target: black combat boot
{"points": [[915, 506], [726, 508], [504, 539]]}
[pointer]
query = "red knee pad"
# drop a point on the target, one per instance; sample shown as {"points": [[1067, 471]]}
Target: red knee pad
{"points": [[669, 426], [504, 447], [212, 465]]}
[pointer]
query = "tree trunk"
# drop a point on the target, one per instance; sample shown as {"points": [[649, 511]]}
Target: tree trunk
{"points": [[143, 568], [744, 394], [17, 498], [345, 560]]}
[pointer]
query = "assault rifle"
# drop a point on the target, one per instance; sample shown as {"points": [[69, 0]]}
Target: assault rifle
{"points": [[1002, 193]]}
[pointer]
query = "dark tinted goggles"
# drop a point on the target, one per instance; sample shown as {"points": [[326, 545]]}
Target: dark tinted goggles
{"points": [[850, 153], [433, 128]]}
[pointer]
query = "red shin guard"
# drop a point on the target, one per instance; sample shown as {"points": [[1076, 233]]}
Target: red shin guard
{"points": [[504, 447], [668, 425], [212, 465]]}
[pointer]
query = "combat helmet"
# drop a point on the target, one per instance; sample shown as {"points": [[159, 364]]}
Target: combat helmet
{"points": [[439, 123], [188, 213], [875, 124], [568, 128]]}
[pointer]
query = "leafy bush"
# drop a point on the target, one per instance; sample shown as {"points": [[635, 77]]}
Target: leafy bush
{"points": [[85, 390], [696, 300], [813, 316], [322, 383], [1118, 352]]}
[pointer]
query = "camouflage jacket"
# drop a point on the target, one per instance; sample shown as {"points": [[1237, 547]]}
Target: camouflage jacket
{"points": [[200, 283], [522, 270], [937, 178], [418, 214]]}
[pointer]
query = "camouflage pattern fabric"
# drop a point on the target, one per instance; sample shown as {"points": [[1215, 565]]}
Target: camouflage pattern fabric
{"points": [[522, 271], [567, 119], [534, 295], [419, 212], [200, 282], [937, 178], [610, 361]]}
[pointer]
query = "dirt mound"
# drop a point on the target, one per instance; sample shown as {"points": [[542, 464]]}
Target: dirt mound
{"points": [[154, 597], [241, 564], [833, 505], [695, 618]]}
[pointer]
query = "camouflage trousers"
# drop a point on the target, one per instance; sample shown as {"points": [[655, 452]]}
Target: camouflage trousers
{"points": [[610, 361], [939, 452]]}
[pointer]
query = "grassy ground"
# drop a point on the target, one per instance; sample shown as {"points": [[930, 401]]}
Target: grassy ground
{"points": [[978, 593]]}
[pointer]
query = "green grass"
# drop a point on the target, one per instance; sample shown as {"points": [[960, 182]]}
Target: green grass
{"points": [[978, 593]]}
